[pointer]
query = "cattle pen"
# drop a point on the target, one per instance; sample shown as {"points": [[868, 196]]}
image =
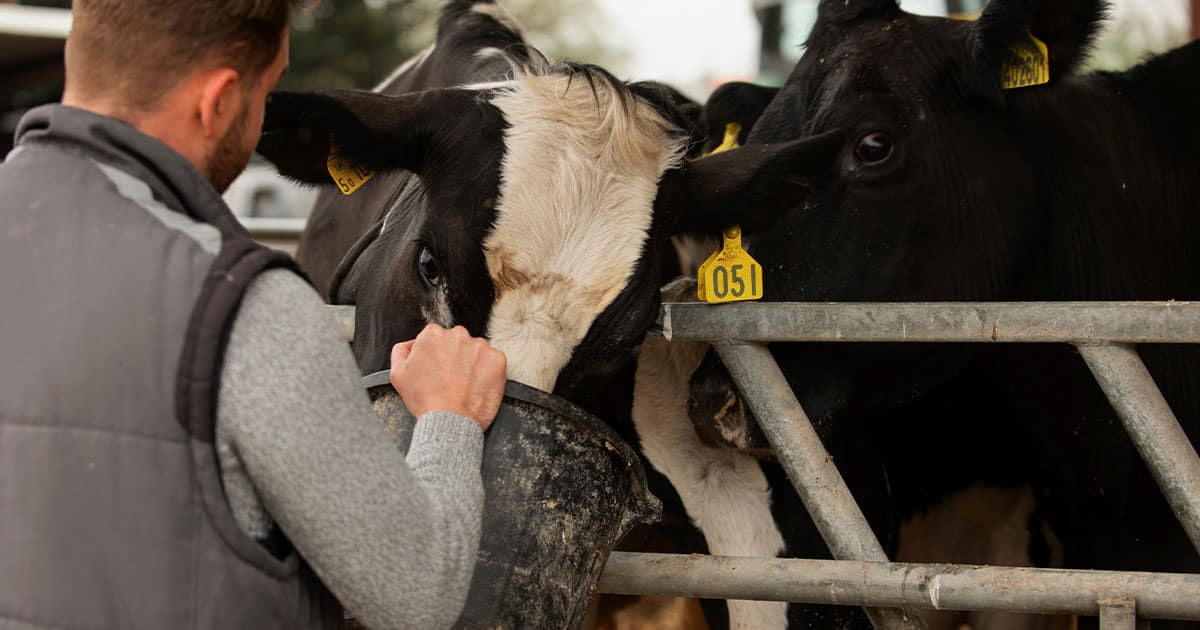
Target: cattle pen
{"points": [[1105, 334]]}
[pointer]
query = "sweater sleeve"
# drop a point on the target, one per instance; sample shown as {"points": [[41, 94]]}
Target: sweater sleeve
{"points": [[394, 539]]}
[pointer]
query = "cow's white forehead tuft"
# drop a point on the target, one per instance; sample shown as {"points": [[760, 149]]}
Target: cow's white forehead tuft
{"points": [[581, 171]]}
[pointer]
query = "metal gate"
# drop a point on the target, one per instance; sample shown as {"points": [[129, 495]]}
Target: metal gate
{"points": [[1105, 335]]}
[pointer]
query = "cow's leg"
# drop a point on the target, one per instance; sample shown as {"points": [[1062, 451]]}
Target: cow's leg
{"points": [[724, 492]]}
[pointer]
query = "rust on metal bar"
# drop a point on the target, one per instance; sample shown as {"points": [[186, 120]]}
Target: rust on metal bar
{"points": [[1118, 614]]}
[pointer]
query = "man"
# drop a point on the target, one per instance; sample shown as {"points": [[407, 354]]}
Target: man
{"points": [[184, 442]]}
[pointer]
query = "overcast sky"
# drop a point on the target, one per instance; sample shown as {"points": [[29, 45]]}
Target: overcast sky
{"points": [[695, 44]]}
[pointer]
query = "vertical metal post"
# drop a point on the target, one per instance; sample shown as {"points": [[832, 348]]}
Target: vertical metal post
{"points": [[809, 466], [1118, 615], [1152, 425]]}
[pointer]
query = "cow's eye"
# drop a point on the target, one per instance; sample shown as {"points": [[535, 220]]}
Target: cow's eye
{"points": [[874, 148], [427, 266]]}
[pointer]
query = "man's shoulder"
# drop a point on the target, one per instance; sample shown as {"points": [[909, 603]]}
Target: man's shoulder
{"points": [[46, 182]]}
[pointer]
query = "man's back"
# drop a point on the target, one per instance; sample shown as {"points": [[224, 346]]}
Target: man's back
{"points": [[109, 479]]}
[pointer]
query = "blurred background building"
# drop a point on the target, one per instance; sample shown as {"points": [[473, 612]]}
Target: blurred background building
{"points": [[692, 44]]}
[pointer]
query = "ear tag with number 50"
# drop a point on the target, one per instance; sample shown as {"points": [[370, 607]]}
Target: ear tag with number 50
{"points": [[730, 274], [348, 176]]}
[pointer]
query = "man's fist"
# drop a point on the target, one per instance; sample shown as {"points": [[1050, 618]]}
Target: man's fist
{"points": [[449, 370]]}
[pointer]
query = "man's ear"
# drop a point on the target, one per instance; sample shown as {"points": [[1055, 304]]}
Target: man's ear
{"points": [[220, 102], [751, 187], [372, 130], [735, 103], [1067, 27]]}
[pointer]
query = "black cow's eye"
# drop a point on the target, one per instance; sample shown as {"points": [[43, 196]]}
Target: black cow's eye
{"points": [[874, 148], [427, 266]]}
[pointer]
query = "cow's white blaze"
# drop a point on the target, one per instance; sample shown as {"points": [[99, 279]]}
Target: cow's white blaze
{"points": [[578, 182], [724, 492]]}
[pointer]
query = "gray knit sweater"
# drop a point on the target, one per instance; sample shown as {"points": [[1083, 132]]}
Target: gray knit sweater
{"points": [[298, 444]]}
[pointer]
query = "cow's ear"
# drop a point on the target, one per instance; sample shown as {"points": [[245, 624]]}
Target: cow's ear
{"points": [[751, 186], [1067, 27], [736, 103], [837, 11], [371, 130]]}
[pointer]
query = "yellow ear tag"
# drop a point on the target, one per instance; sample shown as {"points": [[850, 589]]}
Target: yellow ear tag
{"points": [[731, 135], [730, 274], [348, 176], [1027, 64]]}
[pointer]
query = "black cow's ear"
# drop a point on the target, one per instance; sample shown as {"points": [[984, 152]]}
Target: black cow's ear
{"points": [[372, 130], [734, 103], [833, 11], [1067, 27], [750, 187]]}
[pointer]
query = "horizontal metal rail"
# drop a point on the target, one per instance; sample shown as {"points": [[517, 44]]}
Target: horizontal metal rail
{"points": [[1024, 322], [274, 228], [979, 322], [883, 584]]}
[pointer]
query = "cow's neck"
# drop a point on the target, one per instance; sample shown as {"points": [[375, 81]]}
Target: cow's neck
{"points": [[1115, 156]]}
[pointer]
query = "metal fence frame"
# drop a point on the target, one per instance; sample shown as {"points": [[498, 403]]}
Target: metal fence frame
{"points": [[861, 575]]}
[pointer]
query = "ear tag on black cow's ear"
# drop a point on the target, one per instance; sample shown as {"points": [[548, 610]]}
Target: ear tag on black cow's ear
{"points": [[348, 176], [730, 274], [731, 139], [1026, 64]]}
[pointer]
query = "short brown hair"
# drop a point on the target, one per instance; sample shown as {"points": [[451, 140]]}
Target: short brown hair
{"points": [[137, 50]]}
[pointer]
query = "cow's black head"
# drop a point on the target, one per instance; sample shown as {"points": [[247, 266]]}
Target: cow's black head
{"points": [[539, 211], [928, 197]]}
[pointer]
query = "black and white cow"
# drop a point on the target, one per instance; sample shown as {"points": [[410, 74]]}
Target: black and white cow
{"points": [[530, 202], [947, 187], [526, 201]]}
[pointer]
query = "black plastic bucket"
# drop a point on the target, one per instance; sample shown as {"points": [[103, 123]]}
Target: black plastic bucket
{"points": [[561, 490]]}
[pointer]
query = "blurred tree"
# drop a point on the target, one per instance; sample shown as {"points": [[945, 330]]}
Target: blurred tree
{"points": [[355, 43]]}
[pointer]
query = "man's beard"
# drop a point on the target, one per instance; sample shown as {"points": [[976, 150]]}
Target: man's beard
{"points": [[229, 158]]}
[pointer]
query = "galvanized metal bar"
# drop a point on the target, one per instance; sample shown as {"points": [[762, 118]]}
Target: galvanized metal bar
{"points": [[811, 469], [924, 586], [343, 318], [1152, 425], [1031, 322], [1118, 615]]}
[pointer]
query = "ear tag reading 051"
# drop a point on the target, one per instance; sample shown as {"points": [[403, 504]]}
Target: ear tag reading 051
{"points": [[730, 274], [1027, 64], [348, 176]]}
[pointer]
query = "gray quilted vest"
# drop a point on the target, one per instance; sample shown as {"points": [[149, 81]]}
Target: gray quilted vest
{"points": [[120, 272]]}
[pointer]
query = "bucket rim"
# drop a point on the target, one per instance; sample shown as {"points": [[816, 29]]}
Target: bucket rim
{"points": [[647, 505]]}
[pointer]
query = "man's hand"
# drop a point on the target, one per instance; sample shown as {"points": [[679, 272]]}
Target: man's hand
{"points": [[448, 370]]}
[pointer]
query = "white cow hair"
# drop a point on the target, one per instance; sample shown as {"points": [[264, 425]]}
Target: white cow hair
{"points": [[724, 492], [413, 62], [578, 182]]}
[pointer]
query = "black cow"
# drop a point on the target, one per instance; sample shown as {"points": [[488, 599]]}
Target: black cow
{"points": [[947, 187]]}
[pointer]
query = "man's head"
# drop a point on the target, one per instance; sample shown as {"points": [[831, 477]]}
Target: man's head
{"points": [[194, 75]]}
